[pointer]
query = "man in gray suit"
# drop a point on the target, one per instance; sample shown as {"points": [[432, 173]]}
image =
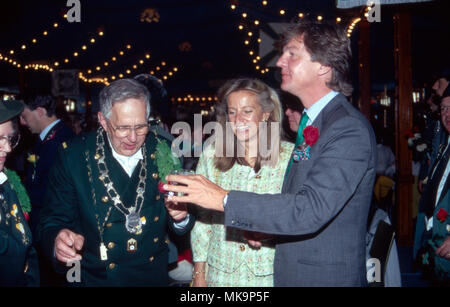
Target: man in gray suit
{"points": [[319, 221]]}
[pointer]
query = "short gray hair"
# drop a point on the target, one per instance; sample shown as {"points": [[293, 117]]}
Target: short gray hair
{"points": [[121, 90]]}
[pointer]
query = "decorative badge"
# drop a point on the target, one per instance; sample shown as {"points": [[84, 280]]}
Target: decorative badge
{"points": [[131, 245]]}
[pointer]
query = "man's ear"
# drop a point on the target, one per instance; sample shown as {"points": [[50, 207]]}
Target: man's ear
{"points": [[102, 120], [323, 70], [41, 112]]}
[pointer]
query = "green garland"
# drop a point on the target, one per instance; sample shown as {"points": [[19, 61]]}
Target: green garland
{"points": [[16, 185], [165, 161]]}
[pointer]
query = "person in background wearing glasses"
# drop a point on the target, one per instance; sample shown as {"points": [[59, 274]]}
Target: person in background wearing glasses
{"points": [[432, 238], [18, 258], [103, 207]]}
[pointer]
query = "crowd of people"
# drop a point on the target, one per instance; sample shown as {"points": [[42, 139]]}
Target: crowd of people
{"points": [[259, 210]]}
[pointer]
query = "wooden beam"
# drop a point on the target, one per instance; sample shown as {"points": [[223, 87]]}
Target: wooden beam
{"points": [[403, 123]]}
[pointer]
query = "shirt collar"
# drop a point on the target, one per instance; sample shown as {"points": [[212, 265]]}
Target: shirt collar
{"points": [[318, 106], [3, 178], [134, 159], [47, 129]]}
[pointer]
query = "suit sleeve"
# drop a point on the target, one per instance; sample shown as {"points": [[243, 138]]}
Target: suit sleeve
{"points": [[331, 182], [61, 203]]}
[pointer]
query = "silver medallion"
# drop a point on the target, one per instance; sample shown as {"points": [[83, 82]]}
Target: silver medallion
{"points": [[133, 222]]}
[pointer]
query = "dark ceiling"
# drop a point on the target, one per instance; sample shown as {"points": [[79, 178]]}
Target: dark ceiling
{"points": [[198, 37]]}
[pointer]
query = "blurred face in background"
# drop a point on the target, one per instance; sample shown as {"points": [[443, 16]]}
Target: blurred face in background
{"points": [[293, 118], [31, 119]]}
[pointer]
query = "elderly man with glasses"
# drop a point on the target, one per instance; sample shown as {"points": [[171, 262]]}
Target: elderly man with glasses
{"points": [[104, 210]]}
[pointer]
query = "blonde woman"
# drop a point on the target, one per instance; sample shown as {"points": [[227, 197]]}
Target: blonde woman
{"points": [[228, 257]]}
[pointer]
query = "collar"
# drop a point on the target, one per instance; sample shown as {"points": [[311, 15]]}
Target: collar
{"points": [[3, 178], [318, 106], [128, 163], [44, 132]]}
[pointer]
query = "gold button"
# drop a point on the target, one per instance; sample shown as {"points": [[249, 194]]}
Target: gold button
{"points": [[109, 225], [151, 258], [112, 265], [105, 199], [155, 175], [167, 241], [111, 245], [242, 247], [156, 218], [158, 197], [155, 240], [153, 156], [97, 156]]}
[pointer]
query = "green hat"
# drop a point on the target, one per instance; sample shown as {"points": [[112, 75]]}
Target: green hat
{"points": [[9, 109]]}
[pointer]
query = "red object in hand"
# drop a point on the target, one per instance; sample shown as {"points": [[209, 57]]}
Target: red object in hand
{"points": [[311, 135], [160, 187], [442, 215]]}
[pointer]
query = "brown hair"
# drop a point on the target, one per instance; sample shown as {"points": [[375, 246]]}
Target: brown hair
{"points": [[269, 102], [327, 44]]}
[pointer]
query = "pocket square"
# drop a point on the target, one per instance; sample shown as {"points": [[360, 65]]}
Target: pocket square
{"points": [[301, 152]]}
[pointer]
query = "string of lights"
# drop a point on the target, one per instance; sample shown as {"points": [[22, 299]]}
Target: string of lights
{"points": [[249, 26]]}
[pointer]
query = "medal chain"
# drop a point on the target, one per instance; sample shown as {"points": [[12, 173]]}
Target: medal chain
{"points": [[110, 190]]}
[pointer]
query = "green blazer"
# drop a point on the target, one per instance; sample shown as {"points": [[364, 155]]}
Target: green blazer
{"points": [[70, 203], [18, 258]]}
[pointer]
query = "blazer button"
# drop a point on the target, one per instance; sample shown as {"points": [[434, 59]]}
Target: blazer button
{"points": [[156, 218], [111, 245], [105, 199], [153, 156], [155, 175], [158, 197], [112, 265], [242, 247], [109, 225], [151, 259], [155, 239]]}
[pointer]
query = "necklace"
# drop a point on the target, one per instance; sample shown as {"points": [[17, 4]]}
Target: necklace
{"points": [[133, 222]]}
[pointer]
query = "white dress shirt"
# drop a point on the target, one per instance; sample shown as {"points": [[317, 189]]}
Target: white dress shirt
{"points": [[47, 129]]}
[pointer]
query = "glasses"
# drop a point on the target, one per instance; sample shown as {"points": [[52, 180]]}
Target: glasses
{"points": [[124, 131], [13, 141], [445, 109]]}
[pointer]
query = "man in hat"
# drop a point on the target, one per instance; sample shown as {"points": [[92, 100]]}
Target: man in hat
{"points": [[18, 258], [103, 207]]}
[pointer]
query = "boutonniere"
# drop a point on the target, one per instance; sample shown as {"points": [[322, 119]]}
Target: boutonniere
{"points": [[442, 215], [311, 135], [302, 151], [32, 159]]}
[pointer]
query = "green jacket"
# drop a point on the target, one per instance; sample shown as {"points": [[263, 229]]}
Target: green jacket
{"points": [[18, 258], [69, 204]]}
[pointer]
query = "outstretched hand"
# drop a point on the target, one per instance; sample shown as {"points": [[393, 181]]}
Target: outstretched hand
{"points": [[196, 189]]}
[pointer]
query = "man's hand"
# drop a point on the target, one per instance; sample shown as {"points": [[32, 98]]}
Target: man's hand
{"points": [[178, 211], [255, 239], [197, 190], [67, 246], [444, 249]]}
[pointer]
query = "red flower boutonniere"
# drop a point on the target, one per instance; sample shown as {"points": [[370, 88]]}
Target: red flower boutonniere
{"points": [[442, 215], [311, 134]]}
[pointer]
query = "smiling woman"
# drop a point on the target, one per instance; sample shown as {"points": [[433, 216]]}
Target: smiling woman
{"points": [[18, 258]]}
